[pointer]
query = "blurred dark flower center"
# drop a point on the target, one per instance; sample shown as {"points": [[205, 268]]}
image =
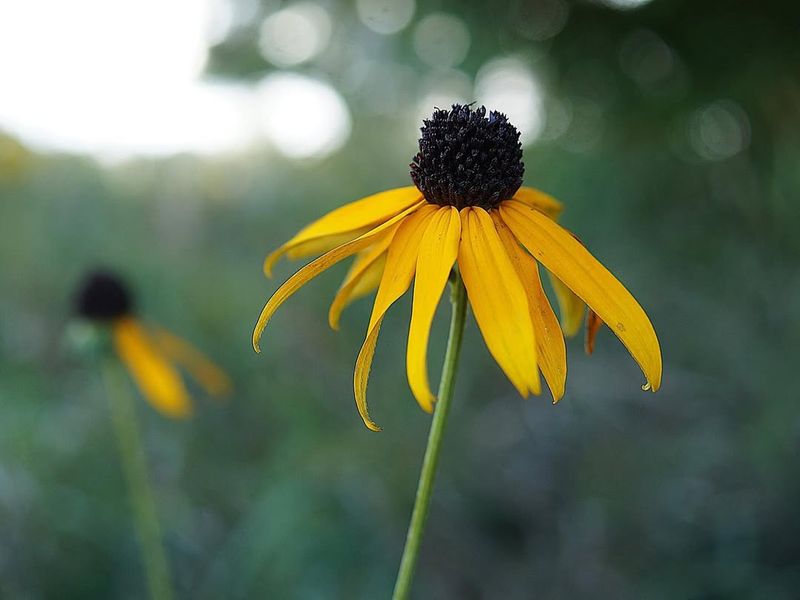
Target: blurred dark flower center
{"points": [[468, 159], [103, 296]]}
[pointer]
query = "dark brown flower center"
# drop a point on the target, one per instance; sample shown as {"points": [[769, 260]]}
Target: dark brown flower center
{"points": [[103, 297], [468, 159]]}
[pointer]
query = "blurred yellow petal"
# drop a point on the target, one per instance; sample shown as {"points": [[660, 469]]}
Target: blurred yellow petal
{"points": [[401, 261], [158, 380], [366, 281], [540, 201], [498, 300], [437, 253], [363, 277], [551, 352], [568, 260], [210, 376], [369, 280], [570, 307], [315, 267], [348, 219]]}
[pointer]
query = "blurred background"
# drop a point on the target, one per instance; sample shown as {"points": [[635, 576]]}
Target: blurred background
{"points": [[178, 141]]}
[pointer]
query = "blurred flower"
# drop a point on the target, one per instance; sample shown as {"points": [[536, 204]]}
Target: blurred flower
{"points": [[149, 354], [467, 207]]}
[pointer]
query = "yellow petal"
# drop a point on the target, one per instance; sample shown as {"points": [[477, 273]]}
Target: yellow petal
{"points": [[365, 281], [401, 261], [561, 253], [363, 277], [570, 307], [437, 253], [361, 214], [540, 201], [551, 352], [318, 246], [369, 280], [315, 267], [158, 380], [210, 376], [498, 300]]}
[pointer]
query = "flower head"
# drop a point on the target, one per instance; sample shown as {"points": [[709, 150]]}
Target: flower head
{"points": [[467, 208], [150, 354], [468, 159]]}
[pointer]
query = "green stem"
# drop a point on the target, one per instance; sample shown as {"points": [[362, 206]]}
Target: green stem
{"points": [[405, 575], [134, 466]]}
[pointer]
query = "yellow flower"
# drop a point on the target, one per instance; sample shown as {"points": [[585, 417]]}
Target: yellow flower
{"points": [[467, 207], [149, 353]]}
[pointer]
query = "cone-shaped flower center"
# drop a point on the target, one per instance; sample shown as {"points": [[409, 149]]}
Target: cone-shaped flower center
{"points": [[468, 159], [103, 296]]}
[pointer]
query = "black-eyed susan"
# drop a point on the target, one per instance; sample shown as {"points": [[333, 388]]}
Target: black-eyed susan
{"points": [[152, 355], [468, 208]]}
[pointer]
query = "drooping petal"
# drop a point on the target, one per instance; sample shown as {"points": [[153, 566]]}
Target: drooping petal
{"points": [[498, 300], [437, 253], [568, 260], [210, 376], [363, 277], [315, 267], [401, 261], [317, 246], [369, 280], [158, 380], [540, 201], [570, 307], [361, 214], [551, 352], [366, 281]]}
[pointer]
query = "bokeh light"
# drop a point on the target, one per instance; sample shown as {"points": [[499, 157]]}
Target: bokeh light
{"points": [[508, 85], [441, 40], [302, 116], [538, 19], [625, 4], [115, 79], [295, 34], [386, 16], [720, 130]]}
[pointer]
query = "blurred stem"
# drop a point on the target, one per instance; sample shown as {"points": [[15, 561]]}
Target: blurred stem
{"points": [[405, 575], [134, 466]]}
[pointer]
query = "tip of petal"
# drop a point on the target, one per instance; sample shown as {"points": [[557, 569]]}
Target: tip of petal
{"points": [[371, 425], [333, 319], [648, 387], [270, 261], [427, 404], [256, 342]]}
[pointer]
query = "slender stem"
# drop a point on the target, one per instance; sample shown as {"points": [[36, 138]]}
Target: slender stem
{"points": [[134, 466], [405, 575]]}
